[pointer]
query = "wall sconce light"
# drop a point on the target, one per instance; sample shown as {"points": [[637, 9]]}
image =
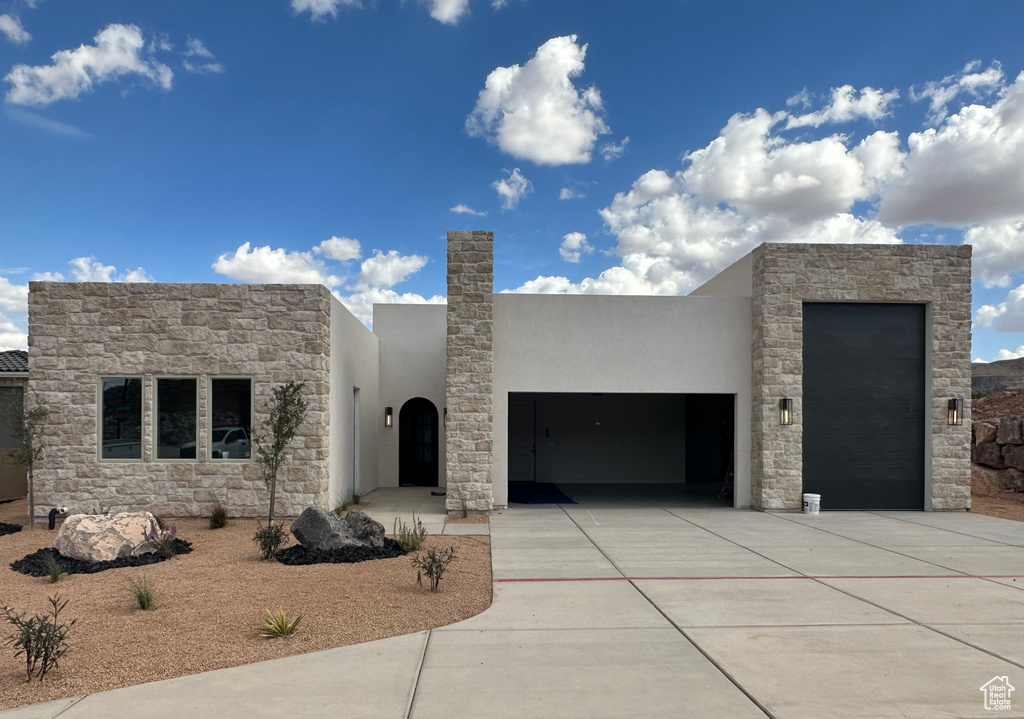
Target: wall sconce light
{"points": [[389, 417], [955, 412], [445, 416], [786, 411]]}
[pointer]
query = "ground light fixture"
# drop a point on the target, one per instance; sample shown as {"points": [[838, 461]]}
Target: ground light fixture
{"points": [[786, 410], [955, 412], [389, 417]]}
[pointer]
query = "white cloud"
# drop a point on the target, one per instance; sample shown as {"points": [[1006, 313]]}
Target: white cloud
{"points": [[1007, 355], [568, 193], [461, 209], [88, 269], [845, 105], [611, 151], [13, 298], [534, 112], [965, 172], [11, 27], [1007, 316], [573, 245], [262, 264], [320, 9], [998, 252], [118, 52], [11, 336], [361, 303], [512, 189], [202, 60], [44, 123], [340, 249], [448, 11], [383, 271], [940, 94]]}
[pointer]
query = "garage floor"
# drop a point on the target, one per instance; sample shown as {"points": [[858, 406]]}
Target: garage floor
{"points": [[645, 609]]}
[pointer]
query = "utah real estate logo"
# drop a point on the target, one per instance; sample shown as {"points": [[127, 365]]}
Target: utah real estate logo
{"points": [[997, 694]]}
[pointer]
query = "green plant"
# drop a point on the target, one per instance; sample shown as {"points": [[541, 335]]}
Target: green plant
{"points": [[162, 540], [25, 427], [142, 591], [218, 516], [54, 567], [42, 638], [409, 537], [270, 539], [463, 507], [286, 410], [278, 625], [344, 506], [977, 394], [433, 565]]}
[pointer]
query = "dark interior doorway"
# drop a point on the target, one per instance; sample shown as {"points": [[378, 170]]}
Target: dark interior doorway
{"points": [[417, 444]]}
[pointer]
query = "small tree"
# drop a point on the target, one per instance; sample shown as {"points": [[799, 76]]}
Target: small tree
{"points": [[26, 429], [286, 410]]}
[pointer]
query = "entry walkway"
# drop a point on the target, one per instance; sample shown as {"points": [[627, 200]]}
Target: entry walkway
{"points": [[652, 609]]}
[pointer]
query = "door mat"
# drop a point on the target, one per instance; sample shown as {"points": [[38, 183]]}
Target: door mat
{"points": [[537, 493]]}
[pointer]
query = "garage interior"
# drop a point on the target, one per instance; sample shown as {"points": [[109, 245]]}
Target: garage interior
{"points": [[623, 446]]}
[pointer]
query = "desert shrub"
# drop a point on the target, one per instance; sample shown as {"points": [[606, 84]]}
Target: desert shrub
{"points": [[977, 394], [163, 540], [54, 568], [141, 591], [278, 625], [410, 538], [270, 538], [218, 516], [41, 638], [433, 565]]}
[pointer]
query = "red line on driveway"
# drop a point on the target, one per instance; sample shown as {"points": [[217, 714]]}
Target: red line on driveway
{"points": [[787, 576]]}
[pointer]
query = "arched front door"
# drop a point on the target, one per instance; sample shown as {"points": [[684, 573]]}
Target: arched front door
{"points": [[417, 444]]}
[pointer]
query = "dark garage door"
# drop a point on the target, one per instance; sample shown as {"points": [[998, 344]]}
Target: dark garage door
{"points": [[864, 405]]}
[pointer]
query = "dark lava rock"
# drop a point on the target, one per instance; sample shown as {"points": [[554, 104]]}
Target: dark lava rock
{"points": [[319, 530], [34, 564], [6, 528], [297, 554]]}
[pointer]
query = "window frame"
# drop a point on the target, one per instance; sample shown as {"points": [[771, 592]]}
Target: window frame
{"points": [[142, 419], [209, 420], [155, 420]]}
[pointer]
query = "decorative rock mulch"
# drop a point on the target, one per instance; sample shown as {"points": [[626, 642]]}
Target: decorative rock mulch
{"points": [[299, 555], [6, 528], [34, 564]]}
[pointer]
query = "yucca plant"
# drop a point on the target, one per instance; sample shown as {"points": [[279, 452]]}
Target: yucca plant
{"points": [[410, 538], [54, 568], [278, 625]]}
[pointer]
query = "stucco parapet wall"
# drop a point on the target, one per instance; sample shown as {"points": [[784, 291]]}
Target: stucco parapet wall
{"points": [[469, 373], [787, 275], [79, 332]]}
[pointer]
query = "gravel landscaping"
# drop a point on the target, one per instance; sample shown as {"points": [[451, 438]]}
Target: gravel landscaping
{"points": [[34, 564], [208, 603]]}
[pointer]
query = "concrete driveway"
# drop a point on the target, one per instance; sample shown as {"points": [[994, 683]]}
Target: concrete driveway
{"points": [[655, 609]]}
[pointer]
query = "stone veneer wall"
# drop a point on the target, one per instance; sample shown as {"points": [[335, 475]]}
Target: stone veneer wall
{"points": [[787, 275], [469, 373], [80, 331]]}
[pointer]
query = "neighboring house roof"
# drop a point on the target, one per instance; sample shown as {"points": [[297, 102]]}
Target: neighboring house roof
{"points": [[14, 361]]}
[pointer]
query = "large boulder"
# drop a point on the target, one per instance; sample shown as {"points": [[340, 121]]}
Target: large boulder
{"points": [[1009, 431], [989, 454], [1013, 479], [984, 432], [324, 531], [985, 480], [1013, 456], [102, 537]]}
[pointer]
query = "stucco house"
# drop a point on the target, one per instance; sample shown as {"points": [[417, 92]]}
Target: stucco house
{"points": [[837, 369]]}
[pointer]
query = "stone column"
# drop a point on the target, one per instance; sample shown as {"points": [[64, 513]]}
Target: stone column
{"points": [[469, 380]]}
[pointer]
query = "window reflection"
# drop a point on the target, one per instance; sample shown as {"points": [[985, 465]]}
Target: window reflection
{"points": [[121, 418], [231, 418], [176, 418]]}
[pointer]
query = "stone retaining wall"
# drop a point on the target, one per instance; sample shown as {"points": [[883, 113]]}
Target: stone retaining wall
{"points": [[997, 453]]}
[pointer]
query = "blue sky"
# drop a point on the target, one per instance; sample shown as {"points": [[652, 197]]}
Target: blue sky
{"points": [[611, 147]]}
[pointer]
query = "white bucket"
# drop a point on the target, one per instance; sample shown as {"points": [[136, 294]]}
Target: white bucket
{"points": [[812, 503]]}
